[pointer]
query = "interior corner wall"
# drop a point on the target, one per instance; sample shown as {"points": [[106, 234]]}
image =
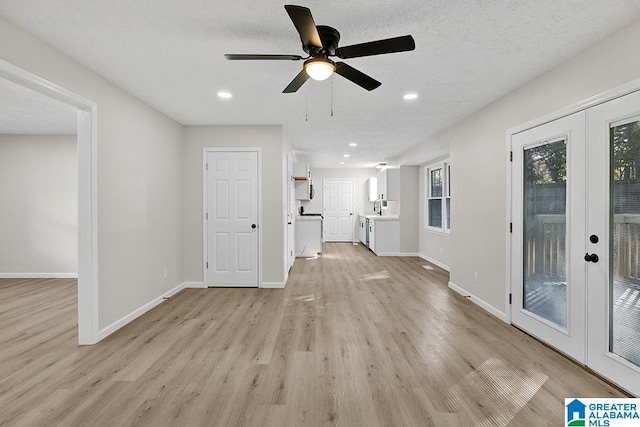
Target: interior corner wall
{"points": [[139, 180], [39, 209], [270, 139], [409, 209], [360, 175], [479, 157]]}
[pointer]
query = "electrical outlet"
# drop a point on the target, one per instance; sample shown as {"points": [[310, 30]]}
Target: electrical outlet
{"points": [[165, 274], [476, 277]]}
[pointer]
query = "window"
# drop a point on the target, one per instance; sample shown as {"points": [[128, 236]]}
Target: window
{"points": [[438, 197]]}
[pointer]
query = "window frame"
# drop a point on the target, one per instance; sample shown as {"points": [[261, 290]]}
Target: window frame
{"points": [[445, 167]]}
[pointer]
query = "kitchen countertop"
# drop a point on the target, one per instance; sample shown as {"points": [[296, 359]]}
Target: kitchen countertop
{"points": [[308, 218], [381, 217]]}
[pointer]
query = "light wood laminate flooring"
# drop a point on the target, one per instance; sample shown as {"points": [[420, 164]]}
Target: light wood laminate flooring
{"points": [[353, 340]]}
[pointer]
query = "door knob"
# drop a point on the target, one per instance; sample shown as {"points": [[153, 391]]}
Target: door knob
{"points": [[591, 258], [254, 226]]}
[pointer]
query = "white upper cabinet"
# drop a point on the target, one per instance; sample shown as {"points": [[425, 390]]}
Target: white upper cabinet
{"points": [[301, 171], [373, 188], [389, 184]]}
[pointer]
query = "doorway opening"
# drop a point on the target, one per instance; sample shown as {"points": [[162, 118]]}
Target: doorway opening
{"points": [[87, 267]]}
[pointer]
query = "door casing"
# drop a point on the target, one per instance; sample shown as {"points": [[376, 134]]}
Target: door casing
{"points": [[632, 87]]}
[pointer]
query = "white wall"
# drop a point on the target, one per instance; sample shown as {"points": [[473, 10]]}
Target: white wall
{"points": [[409, 223], [270, 139], [139, 180], [479, 160], [39, 209], [360, 175]]}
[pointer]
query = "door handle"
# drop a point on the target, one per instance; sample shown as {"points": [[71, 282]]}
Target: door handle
{"points": [[254, 226], [591, 258]]}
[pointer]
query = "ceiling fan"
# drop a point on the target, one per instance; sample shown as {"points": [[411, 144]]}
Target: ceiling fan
{"points": [[321, 42]]}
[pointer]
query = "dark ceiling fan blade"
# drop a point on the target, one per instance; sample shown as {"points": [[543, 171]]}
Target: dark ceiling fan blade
{"points": [[358, 77], [302, 19], [396, 44], [297, 82], [242, 56]]}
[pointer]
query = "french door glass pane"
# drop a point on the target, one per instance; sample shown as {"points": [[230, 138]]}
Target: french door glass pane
{"points": [[545, 206], [625, 260]]}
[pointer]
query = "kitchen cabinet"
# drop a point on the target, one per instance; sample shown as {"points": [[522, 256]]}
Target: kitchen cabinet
{"points": [[362, 230], [389, 184], [384, 235], [303, 185], [372, 184], [304, 189], [301, 171], [308, 235]]}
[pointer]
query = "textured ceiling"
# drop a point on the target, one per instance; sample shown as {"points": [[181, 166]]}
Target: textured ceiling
{"points": [[468, 53], [25, 111]]}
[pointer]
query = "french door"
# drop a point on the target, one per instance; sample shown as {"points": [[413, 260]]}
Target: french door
{"points": [[576, 237], [548, 271], [613, 214]]}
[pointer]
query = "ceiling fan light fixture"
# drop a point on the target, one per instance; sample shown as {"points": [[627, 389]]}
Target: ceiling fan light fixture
{"points": [[319, 68]]}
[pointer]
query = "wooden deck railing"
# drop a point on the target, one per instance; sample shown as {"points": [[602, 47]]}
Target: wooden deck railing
{"points": [[544, 249]]}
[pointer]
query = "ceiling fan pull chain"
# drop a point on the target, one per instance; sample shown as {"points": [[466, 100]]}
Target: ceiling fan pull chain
{"points": [[306, 105], [331, 96]]}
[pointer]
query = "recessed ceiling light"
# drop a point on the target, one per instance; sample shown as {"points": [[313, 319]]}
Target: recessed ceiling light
{"points": [[353, 144], [410, 96], [342, 163], [225, 95], [347, 155]]}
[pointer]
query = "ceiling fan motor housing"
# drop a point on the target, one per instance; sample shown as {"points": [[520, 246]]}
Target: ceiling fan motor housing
{"points": [[329, 37]]}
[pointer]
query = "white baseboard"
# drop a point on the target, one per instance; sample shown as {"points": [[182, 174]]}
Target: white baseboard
{"points": [[193, 285], [435, 262], [103, 333], [488, 307], [38, 275], [272, 285]]}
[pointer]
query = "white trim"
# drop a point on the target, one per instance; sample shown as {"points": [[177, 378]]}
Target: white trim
{"points": [[435, 262], [88, 319], [486, 306], [193, 285], [397, 254], [445, 165], [509, 224], [272, 285], [138, 312], [608, 95], [205, 242], [38, 275]]}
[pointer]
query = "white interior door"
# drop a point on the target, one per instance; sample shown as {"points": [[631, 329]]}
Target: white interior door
{"points": [[548, 240], [231, 218], [613, 225], [338, 210]]}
